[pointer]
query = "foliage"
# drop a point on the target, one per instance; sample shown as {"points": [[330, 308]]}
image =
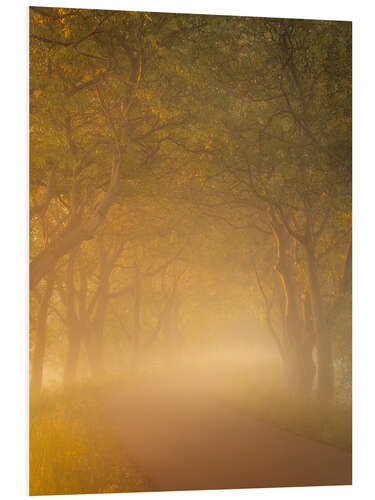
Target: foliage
{"points": [[190, 186]]}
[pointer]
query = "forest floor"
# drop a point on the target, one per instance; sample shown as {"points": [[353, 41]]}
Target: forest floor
{"points": [[183, 436]]}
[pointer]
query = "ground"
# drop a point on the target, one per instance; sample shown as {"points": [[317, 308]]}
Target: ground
{"points": [[184, 436]]}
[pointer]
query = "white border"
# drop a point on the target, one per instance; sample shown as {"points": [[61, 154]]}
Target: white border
{"points": [[13, 264]]}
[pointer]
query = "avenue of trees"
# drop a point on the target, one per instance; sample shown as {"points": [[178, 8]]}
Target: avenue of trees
{"points": [[189, 175]]}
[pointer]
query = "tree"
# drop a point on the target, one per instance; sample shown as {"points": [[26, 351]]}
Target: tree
{"points": [[179, 161]]}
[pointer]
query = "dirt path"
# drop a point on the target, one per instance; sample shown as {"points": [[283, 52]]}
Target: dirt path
{"points": [[184, 437]]}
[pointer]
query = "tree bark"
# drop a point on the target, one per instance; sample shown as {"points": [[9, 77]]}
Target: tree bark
{"points": [[71, 362], [97, 324], [308, 343], [137, 314], [37, 361], [297, 352], [94, 331], [74, 233], [325, 372], [74, 327]]}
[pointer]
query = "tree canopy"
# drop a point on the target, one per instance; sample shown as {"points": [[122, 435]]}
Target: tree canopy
{"points": [[190, 180]]}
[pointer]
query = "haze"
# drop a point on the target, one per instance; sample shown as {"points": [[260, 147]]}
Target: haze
{"points": [[190, 251]]}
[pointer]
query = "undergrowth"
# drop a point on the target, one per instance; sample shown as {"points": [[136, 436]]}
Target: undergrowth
{"points": [[265, 395], [74, 449]]}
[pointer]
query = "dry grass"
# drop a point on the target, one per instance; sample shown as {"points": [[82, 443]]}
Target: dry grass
{"points": [[74, 450], [263, 393]]}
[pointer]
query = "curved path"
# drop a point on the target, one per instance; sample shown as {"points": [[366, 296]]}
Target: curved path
{"points": [[183, 437]]}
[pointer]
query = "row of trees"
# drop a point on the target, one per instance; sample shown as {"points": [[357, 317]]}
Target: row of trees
{"points": [[177, 162]]}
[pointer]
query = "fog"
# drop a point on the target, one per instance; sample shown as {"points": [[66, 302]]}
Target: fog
{"points": [[210, 363], [190, 251]]}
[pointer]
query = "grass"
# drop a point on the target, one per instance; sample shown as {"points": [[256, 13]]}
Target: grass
{"points": [[74, 450], [263, 393]]}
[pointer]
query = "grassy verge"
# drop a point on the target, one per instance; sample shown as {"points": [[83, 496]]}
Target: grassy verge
{"points": [[264, 394], [74, 450]]}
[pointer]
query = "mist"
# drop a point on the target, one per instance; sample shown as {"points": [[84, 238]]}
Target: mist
{"points": [[190, 251]]}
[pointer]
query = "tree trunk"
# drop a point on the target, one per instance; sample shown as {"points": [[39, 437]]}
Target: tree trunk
{"points": [[297, 354], [73, 324], [75, 233], [173, 333], [91, 350], [94, 348], [40, 341], [325, 372], [71, 362], [97, 325], [308, 365], [137, 317]]}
